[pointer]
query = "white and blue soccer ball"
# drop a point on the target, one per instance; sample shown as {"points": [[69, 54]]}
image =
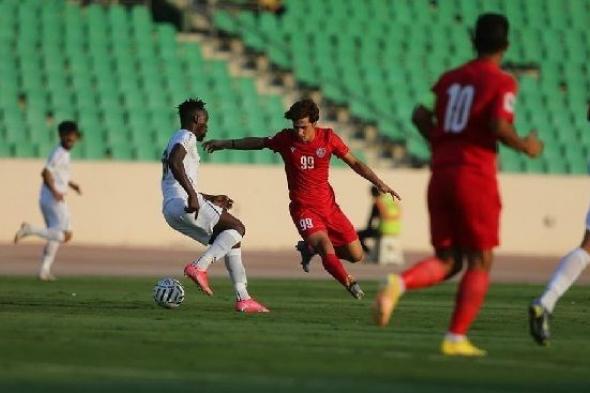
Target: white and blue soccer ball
{"points": [[168, 293]]}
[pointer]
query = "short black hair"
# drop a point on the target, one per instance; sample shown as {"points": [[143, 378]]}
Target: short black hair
{"points": [[67, 127], [302, 109], [189, 107], [491, 33]]}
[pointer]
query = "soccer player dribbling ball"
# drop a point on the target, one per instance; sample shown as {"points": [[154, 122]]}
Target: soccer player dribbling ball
{"points": [[306, 150], [56, 181], [473, 110], [200, 216]]}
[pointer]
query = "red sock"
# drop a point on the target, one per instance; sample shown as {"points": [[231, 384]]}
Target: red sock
{"points": [[425, 273], [472, 291], [333, 265]]}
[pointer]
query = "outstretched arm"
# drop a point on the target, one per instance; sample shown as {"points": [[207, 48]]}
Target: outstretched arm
{"points": [[363, 170], [423, 119], [251, 143], [530, 145], [177, 167]]}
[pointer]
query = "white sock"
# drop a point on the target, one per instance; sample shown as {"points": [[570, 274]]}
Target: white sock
{"points": [[221, 246], [48, 256], [564, 276], [237, 273], [452, 337], [402, 285], [51, 234]]}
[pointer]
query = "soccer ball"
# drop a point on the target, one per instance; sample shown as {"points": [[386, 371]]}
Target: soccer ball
{"points": [[168, 293]]}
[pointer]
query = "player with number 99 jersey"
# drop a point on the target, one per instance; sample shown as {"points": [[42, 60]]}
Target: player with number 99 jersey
{"points": [[313, 206], [306, 150]]}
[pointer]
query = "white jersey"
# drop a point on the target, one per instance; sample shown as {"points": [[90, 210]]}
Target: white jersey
{"points": [[58, 164], [171, 188]]}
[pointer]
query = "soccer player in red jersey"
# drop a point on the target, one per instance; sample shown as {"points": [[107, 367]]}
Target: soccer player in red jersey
{"points": [[473, 110], [306, 150]]}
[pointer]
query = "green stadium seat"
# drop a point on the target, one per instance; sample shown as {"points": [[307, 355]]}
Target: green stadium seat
{"points": [[147, 152], [6, 149], [26, 150], [556, 166], [121, 151]]}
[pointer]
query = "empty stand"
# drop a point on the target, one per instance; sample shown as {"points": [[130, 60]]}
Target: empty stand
{"points": [[381, 57], [120, 75]]}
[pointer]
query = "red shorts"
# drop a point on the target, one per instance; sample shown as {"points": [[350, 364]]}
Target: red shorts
{"points": [[464, 210], [308, 221]]}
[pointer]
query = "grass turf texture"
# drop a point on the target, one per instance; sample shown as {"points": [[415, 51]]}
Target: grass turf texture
{"points": [[111, 337]]}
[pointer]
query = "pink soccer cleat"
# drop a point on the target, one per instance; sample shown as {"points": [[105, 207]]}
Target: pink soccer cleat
{"points": [[199, 277], [250, 306]]}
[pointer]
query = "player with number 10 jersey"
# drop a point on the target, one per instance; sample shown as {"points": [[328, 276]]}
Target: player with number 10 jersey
{"points": [[464, 154], [474, 109]]}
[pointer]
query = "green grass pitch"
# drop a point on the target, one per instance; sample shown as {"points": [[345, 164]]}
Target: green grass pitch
{"points": [[110, 337]]}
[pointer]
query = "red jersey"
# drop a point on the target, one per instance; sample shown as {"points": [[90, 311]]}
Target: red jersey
{"points": [[468, 98], [307, 165]]}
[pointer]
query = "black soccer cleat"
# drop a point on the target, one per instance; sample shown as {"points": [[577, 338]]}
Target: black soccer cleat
{"points": [[355, 290], [539, 323], [306, 255]]}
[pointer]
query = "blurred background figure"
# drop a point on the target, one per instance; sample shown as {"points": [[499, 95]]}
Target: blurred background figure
{"points": [[56, 182], [570, 267], [383, 228]]}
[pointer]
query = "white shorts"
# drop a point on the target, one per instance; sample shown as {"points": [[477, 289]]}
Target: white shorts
{"points": [[199, 228], [56, 214]]}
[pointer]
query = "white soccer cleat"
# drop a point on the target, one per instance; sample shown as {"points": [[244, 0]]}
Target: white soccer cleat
{"points": [[46, 276], [23, 231]]}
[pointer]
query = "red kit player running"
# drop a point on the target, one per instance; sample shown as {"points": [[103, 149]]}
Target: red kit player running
{"points": [[473, 110], [306, 150]]}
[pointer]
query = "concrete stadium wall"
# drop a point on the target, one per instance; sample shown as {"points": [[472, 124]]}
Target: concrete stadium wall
{"points": [[121, 204]]}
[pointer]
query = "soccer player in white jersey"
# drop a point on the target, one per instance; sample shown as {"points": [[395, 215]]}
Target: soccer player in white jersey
{"points": [[56, 181], [569, 269], [200, 216]]}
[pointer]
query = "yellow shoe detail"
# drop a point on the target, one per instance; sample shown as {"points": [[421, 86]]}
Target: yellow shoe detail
{"points": [[460, 348], [386, 300]]}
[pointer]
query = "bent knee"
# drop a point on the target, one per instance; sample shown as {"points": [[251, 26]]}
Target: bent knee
{"points": [[356, 257], [68, 235]]}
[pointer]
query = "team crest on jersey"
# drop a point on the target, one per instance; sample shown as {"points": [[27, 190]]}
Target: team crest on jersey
{"points": [[509, 100], [320, 152], [292, 149]]}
